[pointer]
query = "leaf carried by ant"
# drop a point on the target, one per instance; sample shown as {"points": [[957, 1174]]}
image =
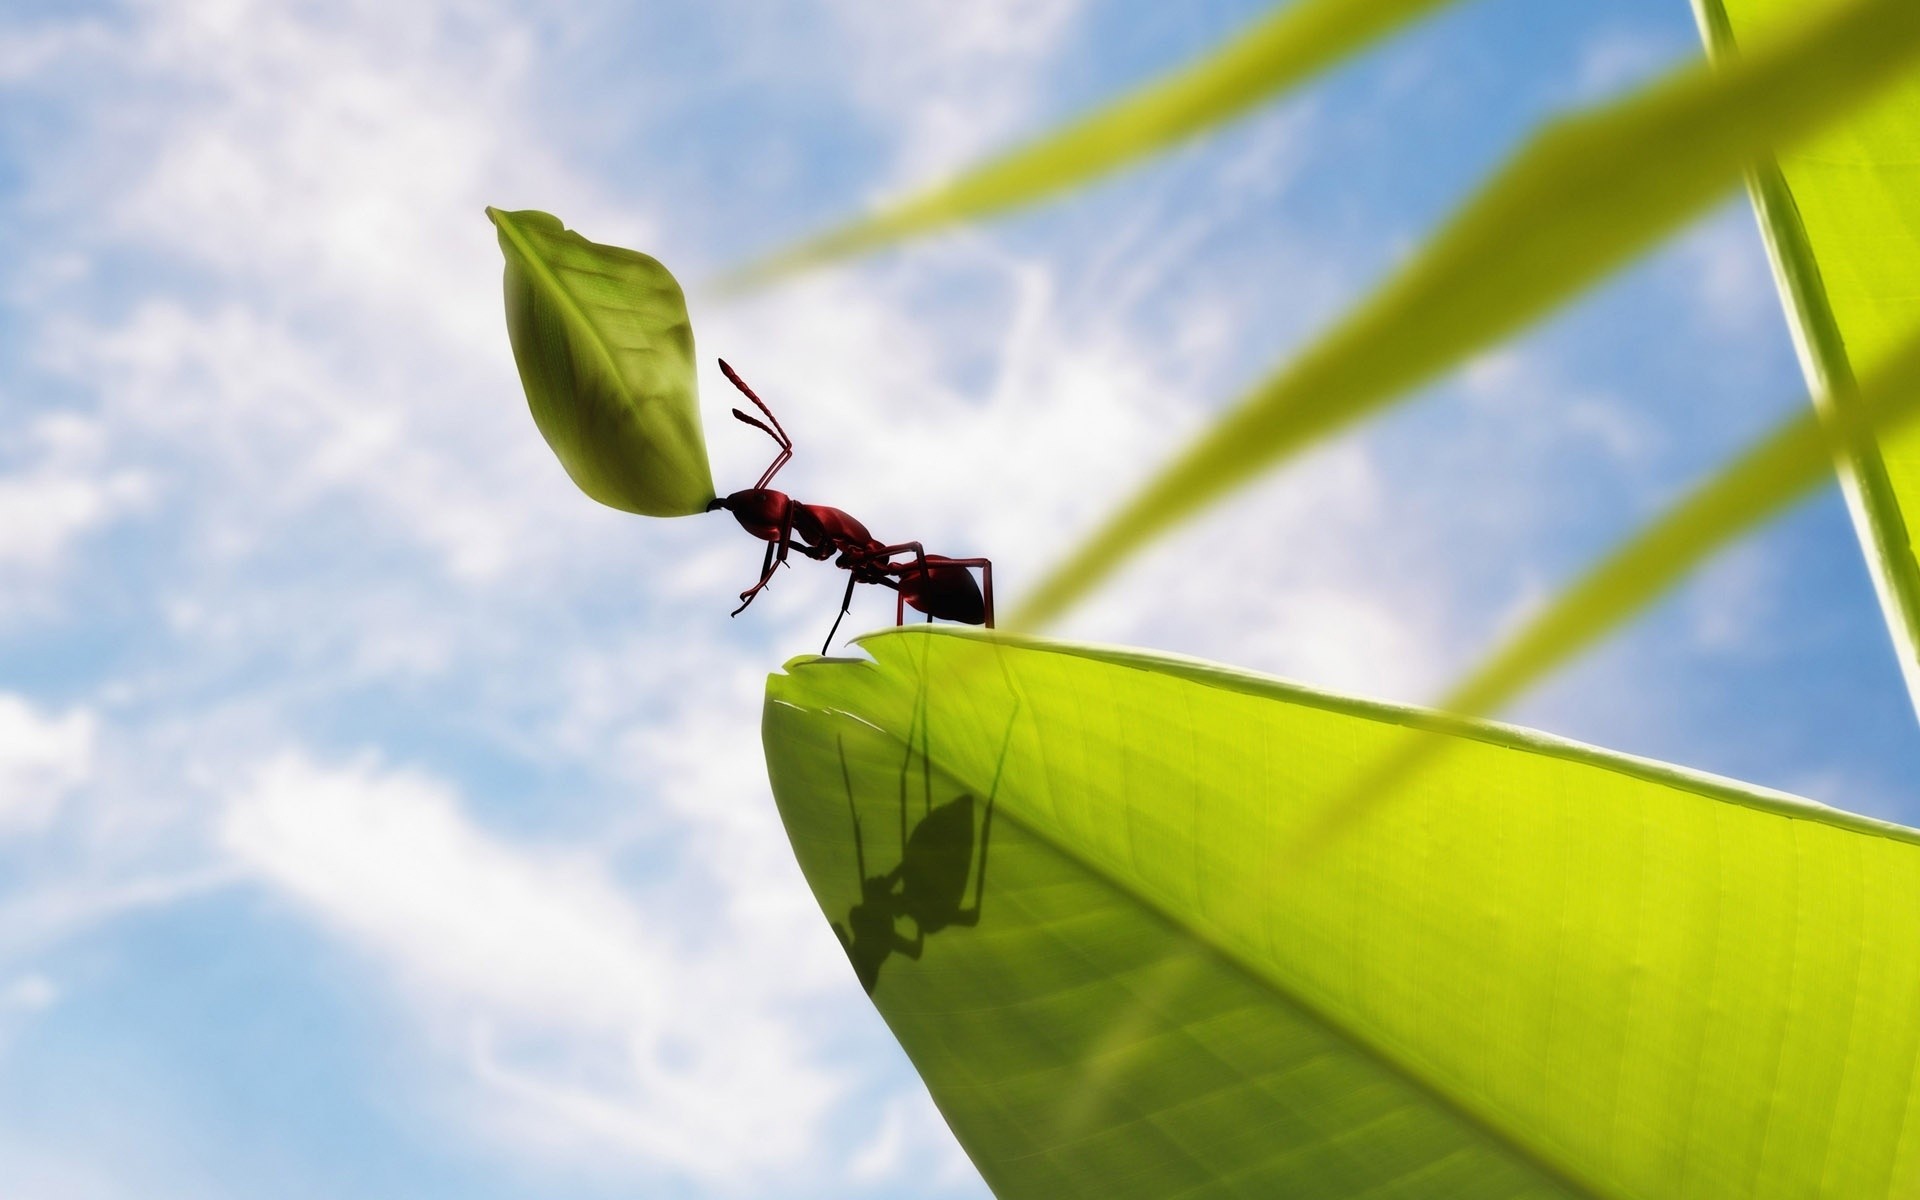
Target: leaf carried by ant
{"points": [[1549, 970], [605, 352]]}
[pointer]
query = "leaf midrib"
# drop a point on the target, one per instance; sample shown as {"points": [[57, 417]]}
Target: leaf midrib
{"points": [[565, 299]]}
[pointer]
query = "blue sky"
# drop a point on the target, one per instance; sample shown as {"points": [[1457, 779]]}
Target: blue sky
{"points": [[380, 817]]}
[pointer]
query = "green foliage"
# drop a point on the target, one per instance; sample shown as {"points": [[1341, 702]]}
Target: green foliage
{"points": [[1842, 220], [1782, 467], [1296, 41], [1585, 197], [1548, 971], [605, 353], [1096, 894]]}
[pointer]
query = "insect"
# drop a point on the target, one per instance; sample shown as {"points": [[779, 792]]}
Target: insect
{"points": [[930, 583]]}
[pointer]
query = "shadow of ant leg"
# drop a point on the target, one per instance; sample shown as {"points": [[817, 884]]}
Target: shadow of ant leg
{"points": [[869, 937], [971, 916], [916, 742], [912, 948], [846, 779]]}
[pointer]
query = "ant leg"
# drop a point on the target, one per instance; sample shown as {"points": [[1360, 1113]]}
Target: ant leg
{"points": [[766, 577], [766, 572], [919, 554], [920, 565], [972, 916], [845, 602]]}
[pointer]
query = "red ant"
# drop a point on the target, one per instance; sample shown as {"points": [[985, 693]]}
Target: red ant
{"points": [[935, 585]]}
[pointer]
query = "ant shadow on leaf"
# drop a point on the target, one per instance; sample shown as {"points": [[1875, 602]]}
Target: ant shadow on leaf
{"points": [[929, 886]]}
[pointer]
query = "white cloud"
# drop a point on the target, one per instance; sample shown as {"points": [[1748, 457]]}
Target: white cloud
{"points": [[591, 1023], [29, 993], [62, 491], [1529, 400], [331, 421], [1726, 270], [42, 759], [1616, 59], [949, 81], [44, 510], [910, 1131], [1730, 605]]}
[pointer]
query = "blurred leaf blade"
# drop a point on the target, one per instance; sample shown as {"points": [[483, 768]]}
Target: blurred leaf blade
{"points": [[1296, 41], [1582, 199], [1538, 977], [1778, 470], [1773, 473], [605, 351], [1841, 219]]}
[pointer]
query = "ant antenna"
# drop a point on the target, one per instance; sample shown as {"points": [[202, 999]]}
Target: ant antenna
{"points": [[778, 434]]}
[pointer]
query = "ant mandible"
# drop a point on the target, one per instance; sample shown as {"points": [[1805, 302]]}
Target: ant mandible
{"points": [[933, 584]]}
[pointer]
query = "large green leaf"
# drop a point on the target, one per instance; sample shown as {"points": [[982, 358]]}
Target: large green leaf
{"points": [[1295, 41], [605, 353], [1583, 198], [1841, 217], [1550, 971]]}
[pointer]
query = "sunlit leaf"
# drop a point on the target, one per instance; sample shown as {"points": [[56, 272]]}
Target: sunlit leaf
{"points": [[1841, 216], [1550, 971], [1583, 198], [1296, 41], [606, 356]]}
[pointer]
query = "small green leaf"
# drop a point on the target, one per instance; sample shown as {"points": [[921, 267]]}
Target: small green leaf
{"points": [[605, 352], [1294, 42], [1586, 196], [1551, 971]]}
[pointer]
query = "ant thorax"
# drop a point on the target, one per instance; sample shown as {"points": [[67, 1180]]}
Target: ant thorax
{"points": [[939, 587]]}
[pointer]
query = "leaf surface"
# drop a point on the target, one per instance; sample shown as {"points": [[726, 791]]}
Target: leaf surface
{"points": [[1841, 217], [1586, 196], [1549, 971], [605, 352]]}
